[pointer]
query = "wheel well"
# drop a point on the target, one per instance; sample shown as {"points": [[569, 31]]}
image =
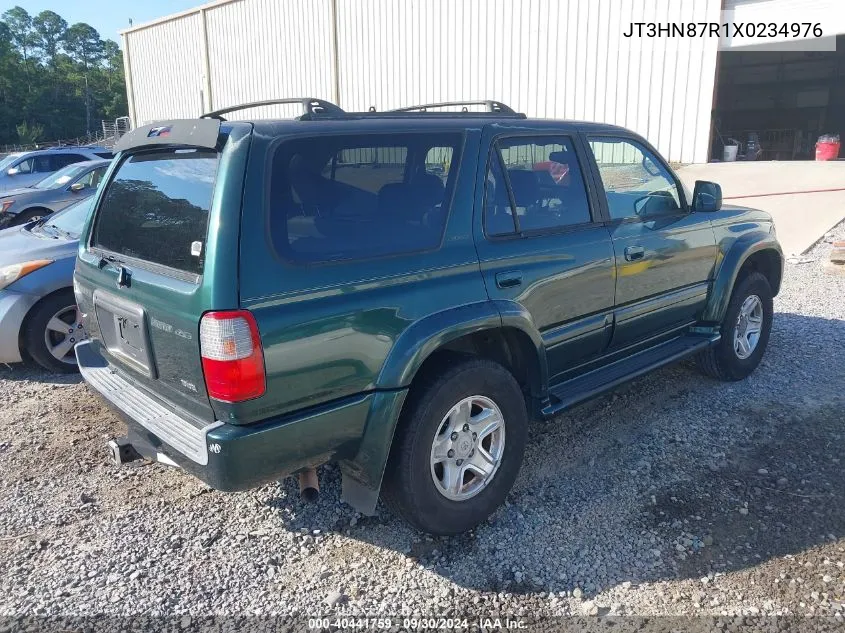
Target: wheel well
{"points": [[29, 210], [768, 263], [25, 321], [507, 346]]}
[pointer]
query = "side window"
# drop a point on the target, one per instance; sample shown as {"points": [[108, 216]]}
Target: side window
{"points": [[92, 178], [343, 197], [366, 168], [63, 160], [537, 186], [635, 182], [25, 166], [438, 161], [43, 165], [498, 212]]}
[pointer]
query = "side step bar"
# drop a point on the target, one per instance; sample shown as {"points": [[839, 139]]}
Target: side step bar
{"points": [[577, 390]]}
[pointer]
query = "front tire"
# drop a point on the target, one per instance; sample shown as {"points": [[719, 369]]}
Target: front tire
{"points": [[745, 331], [52, 330], [458, 448], [29, 216]]}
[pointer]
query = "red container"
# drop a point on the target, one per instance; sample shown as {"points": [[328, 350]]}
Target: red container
{"points": [[828, 150]]}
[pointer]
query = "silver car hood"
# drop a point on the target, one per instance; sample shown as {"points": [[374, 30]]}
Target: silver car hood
{"points": [[18, 245], [20, 191]]}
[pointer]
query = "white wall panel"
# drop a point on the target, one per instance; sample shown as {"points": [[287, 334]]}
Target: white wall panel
{"points": [[269, 49], [547, 58], [166, 69], [564, 59]]}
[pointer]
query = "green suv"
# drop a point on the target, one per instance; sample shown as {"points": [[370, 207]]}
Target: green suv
{"points": [[400, 293]]}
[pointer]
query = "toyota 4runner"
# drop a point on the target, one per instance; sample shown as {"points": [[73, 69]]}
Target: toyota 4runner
{"points": [[400, 293]]}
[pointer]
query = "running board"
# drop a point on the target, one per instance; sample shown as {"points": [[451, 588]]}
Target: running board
{"points": [[575, 391]]}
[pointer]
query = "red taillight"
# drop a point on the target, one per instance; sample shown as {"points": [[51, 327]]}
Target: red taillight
{"points": [[232, 358]]}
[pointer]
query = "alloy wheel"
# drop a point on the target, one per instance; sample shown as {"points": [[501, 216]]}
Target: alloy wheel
{"points": [[468, 448]]}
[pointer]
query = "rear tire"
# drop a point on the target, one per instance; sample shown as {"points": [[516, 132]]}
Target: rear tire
{"points": [[52, 327], [455, 427], [740, 350]]}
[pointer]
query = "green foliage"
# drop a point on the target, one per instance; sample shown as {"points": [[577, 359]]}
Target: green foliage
{"points": [[29, 134], [56, 79], [49, 31]]}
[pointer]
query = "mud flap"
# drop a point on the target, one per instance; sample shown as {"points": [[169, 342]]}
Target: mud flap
{"points": [[362, 474]]}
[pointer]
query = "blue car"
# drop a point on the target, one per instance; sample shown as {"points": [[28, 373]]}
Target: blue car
{"points": [[39, 320]]}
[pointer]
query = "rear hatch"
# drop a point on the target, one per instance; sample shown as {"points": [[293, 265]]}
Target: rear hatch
{"points": [[150, 265]]}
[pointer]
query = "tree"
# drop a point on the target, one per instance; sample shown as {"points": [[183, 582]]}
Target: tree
{"points": [[19, 23], [49, 32], [83, 44], [55, 80], [29, 134]]}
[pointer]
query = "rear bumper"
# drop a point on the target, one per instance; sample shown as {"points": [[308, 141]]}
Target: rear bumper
{"points": [[14, 307], [227, 457]]}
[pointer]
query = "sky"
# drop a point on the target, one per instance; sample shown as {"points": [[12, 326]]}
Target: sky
{"points": [[107, 16]]}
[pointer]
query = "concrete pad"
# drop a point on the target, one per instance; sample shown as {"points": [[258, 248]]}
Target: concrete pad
{"points": [[796, 193]]}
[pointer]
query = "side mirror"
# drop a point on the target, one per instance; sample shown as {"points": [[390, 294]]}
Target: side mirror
{"points": [[707, 196], [77, 187], [13, 171]]}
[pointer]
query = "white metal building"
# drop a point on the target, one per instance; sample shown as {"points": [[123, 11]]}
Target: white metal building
{"points": [[547, 58]]}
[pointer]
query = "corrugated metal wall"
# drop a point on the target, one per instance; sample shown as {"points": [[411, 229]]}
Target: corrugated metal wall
{"points": [[166, 69], [547, 58], [265, 49]]}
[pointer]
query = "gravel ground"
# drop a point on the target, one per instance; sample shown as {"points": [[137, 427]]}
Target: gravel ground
{"points": [[674, 495]]}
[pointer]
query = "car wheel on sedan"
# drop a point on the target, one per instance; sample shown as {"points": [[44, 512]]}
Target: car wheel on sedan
{"points": [[745, 331], [53, 328], [458, 448], [29, 216]]}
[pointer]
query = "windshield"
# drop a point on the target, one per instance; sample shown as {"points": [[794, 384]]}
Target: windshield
{"points": [[60, 178], [6, 162], [71, 219]]}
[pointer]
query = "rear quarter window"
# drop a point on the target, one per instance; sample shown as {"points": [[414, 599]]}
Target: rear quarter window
{"points": [[156, 207], [347, 197]]}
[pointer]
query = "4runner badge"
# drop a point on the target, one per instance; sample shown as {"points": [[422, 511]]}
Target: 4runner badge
{"points": [[215, 448]]}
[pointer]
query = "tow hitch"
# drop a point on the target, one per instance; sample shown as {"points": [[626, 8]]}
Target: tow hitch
{"points": [[127, 449], [122, 451]]}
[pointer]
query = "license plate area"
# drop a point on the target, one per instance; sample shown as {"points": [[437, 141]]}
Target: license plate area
{"points": [[125, 332]]}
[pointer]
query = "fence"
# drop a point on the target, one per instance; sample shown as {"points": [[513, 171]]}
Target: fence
{"points": [[106, 137]]}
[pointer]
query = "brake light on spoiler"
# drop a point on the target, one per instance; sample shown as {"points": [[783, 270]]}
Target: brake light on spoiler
{"points": [[232, 356]]}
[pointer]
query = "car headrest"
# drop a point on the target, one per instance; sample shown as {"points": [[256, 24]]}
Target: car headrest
{"points": [[560, 157], [428, 189], [393, 200], [526, 189]]}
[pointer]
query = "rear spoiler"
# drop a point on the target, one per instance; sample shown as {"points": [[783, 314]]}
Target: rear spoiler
{"points": [[188, 132]]}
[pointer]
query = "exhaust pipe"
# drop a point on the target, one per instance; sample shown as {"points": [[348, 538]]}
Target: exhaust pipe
{"points": [[309, 485]]}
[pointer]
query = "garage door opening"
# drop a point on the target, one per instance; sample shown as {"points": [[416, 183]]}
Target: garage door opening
{"points": [[776, 105]]}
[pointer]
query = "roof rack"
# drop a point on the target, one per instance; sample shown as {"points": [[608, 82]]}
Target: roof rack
{"points": [[67, 147], [496, 107], [310, 107]]}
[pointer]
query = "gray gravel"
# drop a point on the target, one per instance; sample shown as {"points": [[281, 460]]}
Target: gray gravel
{"points": [[673, 495]]}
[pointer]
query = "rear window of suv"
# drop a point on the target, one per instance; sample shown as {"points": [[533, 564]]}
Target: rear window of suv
{"points": [[155, 209], [360, 196]]}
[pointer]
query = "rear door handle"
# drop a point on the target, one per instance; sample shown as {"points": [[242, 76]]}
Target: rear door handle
{"points": [[509, 279], [633, 253]]}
